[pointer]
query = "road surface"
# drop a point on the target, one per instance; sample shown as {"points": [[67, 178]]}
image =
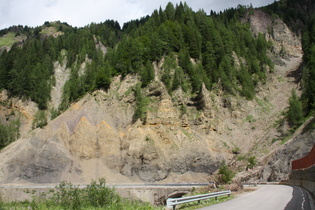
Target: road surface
{"points": [[269, 197]]}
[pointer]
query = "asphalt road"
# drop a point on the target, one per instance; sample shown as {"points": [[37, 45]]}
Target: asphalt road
{"points": [[269, 197]]}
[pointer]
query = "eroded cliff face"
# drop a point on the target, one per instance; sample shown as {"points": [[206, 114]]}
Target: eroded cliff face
{"points": [[96, 138], [285, 42], [184, 138]]}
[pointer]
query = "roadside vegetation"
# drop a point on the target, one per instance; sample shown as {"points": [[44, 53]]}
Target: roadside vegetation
{"points": [[9, 133], [226, 175], [67, 196], [204, 203], [97, 196]]}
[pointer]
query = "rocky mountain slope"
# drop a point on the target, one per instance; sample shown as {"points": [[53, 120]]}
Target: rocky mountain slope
{"points": [[183, 139], [279, 164]]}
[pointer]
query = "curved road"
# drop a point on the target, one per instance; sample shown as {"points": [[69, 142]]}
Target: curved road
{"points": [[269, 197]]}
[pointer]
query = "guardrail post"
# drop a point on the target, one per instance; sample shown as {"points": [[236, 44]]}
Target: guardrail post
{"points": [[169, 203]]}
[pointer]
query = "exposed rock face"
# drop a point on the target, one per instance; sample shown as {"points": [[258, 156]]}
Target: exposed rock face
{"points": [[279, 165], [184, 137], [61, 76], [17, 109], [37, 161], [98, 130], [277, 31]]}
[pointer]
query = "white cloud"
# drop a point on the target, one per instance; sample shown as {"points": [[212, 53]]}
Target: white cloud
{"points": [[82, 12]]}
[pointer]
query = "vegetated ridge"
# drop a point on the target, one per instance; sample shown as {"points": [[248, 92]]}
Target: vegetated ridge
{"points": [[167, 98]]}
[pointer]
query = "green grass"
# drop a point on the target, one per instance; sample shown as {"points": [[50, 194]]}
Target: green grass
{"points": [[281, 79], [188, 134], [265, 105], [287, 137], [49, 30], [250, 119], [309, 126], [204, 203], [9, 39], [226, 145], [128, 92], [207, 202]]}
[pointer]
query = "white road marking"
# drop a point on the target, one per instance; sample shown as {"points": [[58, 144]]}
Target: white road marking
{"points": [[303, 199]]}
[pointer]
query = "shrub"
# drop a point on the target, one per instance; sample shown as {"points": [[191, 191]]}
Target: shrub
{"points": [[226, 174], [67, 196], [236, 150], [95, 195], [40, 119], [98, 195], [9, 133], [141, 104], [251, 162], [250, 119]]}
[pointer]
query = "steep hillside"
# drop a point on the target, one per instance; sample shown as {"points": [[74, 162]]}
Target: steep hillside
{"points": [[180, 136], [172, 110]]}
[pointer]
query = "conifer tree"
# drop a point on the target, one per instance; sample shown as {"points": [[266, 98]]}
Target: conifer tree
{"points": [[178, 78], [248, 88], [309, 92], [170, 11], [141, 104], [147, 74], [295, 113], [184, 60], [103, 77]]}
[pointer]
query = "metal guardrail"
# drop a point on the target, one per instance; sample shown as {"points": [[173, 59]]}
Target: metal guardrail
{"points": [[172, 202], [250, 184], [255, 184]]}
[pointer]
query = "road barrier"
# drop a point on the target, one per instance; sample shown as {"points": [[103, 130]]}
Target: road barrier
{"points": [[172, 202], [305, 162], [303, 172], [250, 184]]}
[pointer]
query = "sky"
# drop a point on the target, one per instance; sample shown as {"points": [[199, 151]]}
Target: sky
{"points": [[83, 12]]}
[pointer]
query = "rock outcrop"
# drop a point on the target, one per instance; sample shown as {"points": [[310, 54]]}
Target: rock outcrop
{"points": [[184, 137], [94, 130], [278, 167], [285, 42]]}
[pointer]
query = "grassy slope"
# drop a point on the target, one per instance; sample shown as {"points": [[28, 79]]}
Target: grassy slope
{"points": [[10, 38]]}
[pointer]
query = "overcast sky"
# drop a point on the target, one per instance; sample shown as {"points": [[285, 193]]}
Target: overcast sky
{"points": [[82, 12]]}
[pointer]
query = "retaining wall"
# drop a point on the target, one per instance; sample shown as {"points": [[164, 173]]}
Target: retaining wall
{"points": [[304, 178], [305, 162], [303, 172]]}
